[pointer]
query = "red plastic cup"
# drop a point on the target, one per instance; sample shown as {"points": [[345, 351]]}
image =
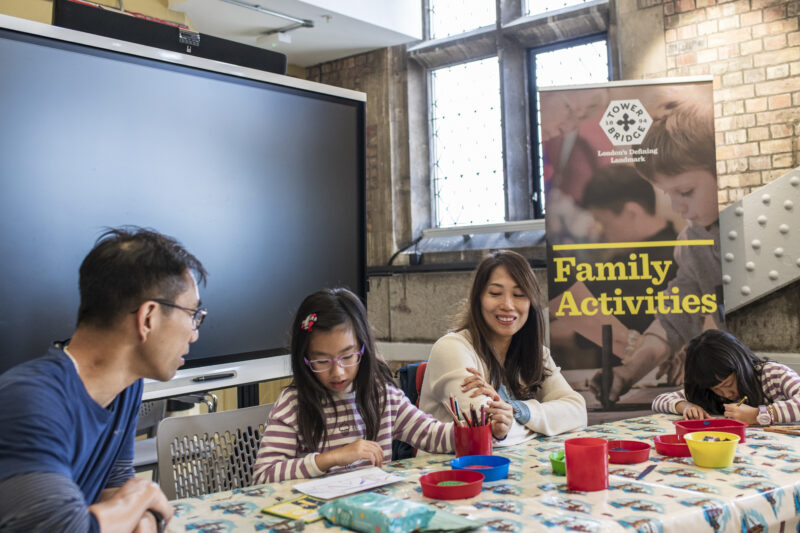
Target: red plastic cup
{"points": [[587, 463], [473, 441]]}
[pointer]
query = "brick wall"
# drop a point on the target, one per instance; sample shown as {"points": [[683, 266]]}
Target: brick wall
{"points": [[752, 48]]}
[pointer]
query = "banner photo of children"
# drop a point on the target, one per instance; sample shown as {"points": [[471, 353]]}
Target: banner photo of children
{"points": [[632, 224]]}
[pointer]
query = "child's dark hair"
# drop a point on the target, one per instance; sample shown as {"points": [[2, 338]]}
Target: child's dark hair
{"points": [[614, 186], [523, 371], [684, 139], [335, 307], [711, 357]]}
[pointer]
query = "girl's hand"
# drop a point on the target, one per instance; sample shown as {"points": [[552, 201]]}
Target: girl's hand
{"points": [[476, 383], [694, 412], [359, 450], [742, 413], [501, 417]]}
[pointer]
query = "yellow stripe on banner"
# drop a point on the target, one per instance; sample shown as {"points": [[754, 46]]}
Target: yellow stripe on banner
{"points": [[646, 244]]}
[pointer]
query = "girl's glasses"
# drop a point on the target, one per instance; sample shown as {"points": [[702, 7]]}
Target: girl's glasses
{"points": [[323, 365]]}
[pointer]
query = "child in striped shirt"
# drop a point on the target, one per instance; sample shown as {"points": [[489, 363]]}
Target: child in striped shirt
{"points": [[341, 411], [723, 377]]}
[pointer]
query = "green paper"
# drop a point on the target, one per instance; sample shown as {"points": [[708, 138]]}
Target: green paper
{"points": [[446, 521]]}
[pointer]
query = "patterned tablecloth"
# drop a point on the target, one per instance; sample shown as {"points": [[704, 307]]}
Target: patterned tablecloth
{"points": [[759, 493]]}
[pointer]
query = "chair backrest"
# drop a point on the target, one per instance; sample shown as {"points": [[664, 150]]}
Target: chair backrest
{"points": [[410, 382], [201, 454], [150, 414]]}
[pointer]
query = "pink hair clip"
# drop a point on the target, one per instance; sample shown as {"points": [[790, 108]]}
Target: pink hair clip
{"points": [[308, 322]]}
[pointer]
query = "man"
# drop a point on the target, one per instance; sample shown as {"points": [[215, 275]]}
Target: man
{"points": [[68, 419]]}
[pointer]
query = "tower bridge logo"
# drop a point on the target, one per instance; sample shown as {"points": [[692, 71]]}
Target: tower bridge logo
{"points": [[626, 122]]}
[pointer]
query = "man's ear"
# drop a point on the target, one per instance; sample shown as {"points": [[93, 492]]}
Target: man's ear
{"points": [[146, 319], [631, 210]]}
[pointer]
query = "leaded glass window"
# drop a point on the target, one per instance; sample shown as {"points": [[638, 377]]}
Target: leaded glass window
{"points": [[536, 7], [467, 150], [452, 17]]}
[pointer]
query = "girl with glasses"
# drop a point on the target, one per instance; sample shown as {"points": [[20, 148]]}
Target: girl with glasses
{"points": [[341, 410]]}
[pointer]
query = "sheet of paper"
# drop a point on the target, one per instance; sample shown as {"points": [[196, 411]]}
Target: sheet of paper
{"points": [[342, 484]]}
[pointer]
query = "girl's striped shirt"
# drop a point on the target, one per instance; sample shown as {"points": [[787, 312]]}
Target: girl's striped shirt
{"points": [[283, 455], [781, 386]]}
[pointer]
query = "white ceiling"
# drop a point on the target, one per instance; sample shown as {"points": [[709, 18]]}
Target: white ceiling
{"points": [[341, 27]]}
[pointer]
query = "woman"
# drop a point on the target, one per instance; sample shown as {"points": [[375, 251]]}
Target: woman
{"points": [[497, 353]]}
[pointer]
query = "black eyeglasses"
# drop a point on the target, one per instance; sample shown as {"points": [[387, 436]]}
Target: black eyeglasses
{"points": [[198, 315]]}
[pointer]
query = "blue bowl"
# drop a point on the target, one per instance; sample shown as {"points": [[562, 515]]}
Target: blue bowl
{"points": [[492, 467]]}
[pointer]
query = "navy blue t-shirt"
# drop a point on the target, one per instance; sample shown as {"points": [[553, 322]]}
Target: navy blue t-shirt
{"points": [[49, 423]]}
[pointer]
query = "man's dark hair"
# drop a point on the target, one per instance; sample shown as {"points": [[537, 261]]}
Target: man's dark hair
{"points": [[612, 187], [128, 266]]}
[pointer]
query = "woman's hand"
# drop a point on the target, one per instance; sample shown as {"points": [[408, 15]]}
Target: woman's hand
{"points": [[501, 417], [477, 384], [742, 413], [691, 411], [359, 450]]}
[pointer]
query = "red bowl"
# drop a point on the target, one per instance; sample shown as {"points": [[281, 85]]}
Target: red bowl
{"points": [[628, 452], [672, 445], [473, 482], [726, 425]]}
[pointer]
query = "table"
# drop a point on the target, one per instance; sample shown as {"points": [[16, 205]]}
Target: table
{"points": [[759, 492]]}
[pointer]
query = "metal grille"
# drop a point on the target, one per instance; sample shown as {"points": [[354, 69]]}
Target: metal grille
{"points": [[203, 454], [466, 144], [536, 7], [573, 65], [452, 17]]}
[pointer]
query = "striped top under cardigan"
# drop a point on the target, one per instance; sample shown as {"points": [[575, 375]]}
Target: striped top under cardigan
{"points": [[781, 386], [283, 455]]}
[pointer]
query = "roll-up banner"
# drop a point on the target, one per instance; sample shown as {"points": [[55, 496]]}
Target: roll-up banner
{"points": [[633, 233]]}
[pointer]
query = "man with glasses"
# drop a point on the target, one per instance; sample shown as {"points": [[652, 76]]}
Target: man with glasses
{"points": [[68, 419]]}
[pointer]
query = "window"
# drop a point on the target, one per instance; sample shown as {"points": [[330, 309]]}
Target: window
{"points": [[466, 144], [576, 64], [473, 110], [537, 7], [451, 17]]}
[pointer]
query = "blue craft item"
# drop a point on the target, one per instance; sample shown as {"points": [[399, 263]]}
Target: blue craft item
{"points": [[493, 467], [369, 512]]}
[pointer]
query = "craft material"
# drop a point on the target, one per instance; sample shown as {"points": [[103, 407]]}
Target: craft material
{"points": [[626, 452], [740, 402], [672, 445], [682, 427], [432, 487], [557, 462], [646, 471], [304, 507], [338, 485], [473, 440], [370, 512]]}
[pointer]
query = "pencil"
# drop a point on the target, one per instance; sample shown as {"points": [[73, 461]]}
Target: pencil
{"points": [[742, 401]]}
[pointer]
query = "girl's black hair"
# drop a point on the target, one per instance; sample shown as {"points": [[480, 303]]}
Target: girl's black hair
{"points": [[335, 307], [711, 357], [523, 371]]}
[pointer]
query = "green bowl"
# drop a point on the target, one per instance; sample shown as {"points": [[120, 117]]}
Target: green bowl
{"points": [[557, 461]]}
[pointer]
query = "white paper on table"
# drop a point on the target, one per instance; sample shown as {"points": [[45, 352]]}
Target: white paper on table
{"points": [[342, 484]]}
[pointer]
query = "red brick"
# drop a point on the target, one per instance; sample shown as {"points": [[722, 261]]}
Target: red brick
{"points": [[776, 57], [775, 13], [686, 59], [751, 47], [748, 19], [780, 101], [760, 133], [669, 8], [729, 37], [761, 162], [780, 130], [774, 42], [778, 71], [766, 88], [775, 146], [684, 5], [782, 26]]}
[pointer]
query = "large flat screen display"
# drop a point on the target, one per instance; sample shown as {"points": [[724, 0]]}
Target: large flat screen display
{"points": [[264, 183]]}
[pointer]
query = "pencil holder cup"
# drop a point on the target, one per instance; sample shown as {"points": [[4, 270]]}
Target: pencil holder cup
{"points": [[473, 440], [587, 463]]}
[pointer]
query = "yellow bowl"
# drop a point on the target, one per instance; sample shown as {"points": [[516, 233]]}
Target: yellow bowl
{"points": [[712, 453]]}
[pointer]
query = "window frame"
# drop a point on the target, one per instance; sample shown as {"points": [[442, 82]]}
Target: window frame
{"points": [[512, 38]]}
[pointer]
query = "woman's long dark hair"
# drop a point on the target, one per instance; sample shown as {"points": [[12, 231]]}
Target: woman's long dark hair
{"points": [[523, 371], [711, 357], [335, 307]]}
